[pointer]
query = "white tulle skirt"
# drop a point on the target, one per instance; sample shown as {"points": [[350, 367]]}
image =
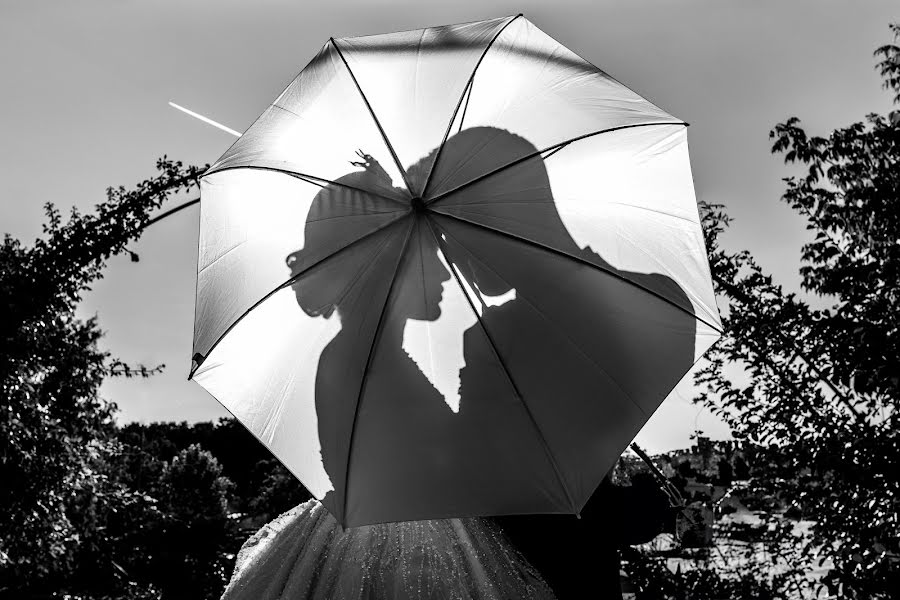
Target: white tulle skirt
{"points": [[305, 554]]}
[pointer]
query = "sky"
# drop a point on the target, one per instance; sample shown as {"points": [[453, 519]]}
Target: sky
{"points": [[86, 86]]}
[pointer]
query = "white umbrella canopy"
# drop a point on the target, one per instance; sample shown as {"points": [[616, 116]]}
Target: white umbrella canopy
{"points": [[451, 272]]}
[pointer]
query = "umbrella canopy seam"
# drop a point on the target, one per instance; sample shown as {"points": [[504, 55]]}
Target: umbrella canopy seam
{"points": [[288, 282], [459, 103], [568, 338], [311, 179], [546, 445], [461, 207], [375, 118], [212, 169], [462, 119], [362, 383], [554, 148], [559, 252]]}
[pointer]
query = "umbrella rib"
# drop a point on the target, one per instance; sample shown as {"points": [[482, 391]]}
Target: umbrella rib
{"points": [[171, 212], [365, 375], [569, 339], [465, 108], [374, 118], [507, 373], [312, 179], [459, 103], [290, 281], [255, 435], [554, 148], [324, 183], [583, 261]]}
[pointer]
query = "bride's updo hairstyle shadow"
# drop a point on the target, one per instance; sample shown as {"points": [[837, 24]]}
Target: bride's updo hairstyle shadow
{"points": [[318, 295]]}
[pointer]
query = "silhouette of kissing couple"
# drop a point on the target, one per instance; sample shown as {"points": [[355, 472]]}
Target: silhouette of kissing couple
{"points": [[484, 357]]}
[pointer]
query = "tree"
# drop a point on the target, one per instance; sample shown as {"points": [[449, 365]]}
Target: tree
{"points": [[656, 582], [262, 486], [823, 384], [741, 468], [191, 559], [278, 491], [191, 471], [725, 471], [55, 429]]}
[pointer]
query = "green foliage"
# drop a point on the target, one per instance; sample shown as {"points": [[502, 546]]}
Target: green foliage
{"points": [[191, 472], [55, 429], [190, 555], [263, 488], [278, 491], [192, 488], [889, 66], [655, 581], [116, 524], [823, 385], [725, 472]]}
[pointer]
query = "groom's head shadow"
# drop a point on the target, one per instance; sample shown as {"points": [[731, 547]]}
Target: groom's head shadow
{"points": [[507, 235]]}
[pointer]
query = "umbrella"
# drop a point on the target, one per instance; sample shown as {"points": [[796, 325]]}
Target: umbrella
{"points": [[451, 272]]}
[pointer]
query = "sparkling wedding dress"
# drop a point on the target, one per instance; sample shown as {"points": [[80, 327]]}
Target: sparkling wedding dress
{"points": [[305, 554]]}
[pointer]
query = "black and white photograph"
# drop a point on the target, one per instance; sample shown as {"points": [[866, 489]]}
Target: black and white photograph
{"points": [[395, 299]]}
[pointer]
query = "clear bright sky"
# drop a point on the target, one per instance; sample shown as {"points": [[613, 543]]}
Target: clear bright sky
{"points": [[85, 87]]}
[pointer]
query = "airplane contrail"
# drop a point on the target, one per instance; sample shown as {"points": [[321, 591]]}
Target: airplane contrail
{"points": [[206, 120]]}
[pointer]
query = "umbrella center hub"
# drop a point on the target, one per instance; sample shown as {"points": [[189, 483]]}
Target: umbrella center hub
{"points": [[418, 204]]}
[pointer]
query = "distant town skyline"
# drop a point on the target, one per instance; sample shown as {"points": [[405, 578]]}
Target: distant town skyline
{"points": [[87, 87]]}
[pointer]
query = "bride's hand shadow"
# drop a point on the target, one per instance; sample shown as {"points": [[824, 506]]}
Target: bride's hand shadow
{"points": [[561, 353]]}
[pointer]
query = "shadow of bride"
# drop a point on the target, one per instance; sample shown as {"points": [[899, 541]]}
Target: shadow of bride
{"points": [[486, 363]]}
